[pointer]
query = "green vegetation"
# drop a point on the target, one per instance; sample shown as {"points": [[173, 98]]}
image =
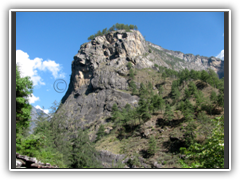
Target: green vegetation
{"points": [[115, 27], [186, 107], [211, 153], [152, 146], [58, 141], [23, 108], [175, 123]]}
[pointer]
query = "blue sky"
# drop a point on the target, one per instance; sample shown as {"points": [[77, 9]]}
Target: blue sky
{"points": [[47, 41]]}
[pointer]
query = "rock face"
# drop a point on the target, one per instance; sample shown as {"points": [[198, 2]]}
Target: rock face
{"points": [[188, 61], [110, 160], [99, 74]]}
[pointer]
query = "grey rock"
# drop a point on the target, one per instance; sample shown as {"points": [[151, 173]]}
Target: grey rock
{"points": [[156, 165], [99, 74]]}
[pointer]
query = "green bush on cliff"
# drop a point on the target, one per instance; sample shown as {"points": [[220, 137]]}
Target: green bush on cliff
{"points": [[115, 27]]}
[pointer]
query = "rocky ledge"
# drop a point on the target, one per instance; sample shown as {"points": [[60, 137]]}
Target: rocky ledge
{"points": [[30, 162]]}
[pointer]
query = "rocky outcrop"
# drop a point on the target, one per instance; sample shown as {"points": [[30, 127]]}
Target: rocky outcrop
{"points": [[30, 162], [98, 77], [99, 74], [110, 160]]}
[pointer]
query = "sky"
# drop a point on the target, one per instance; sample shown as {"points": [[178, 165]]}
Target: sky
{"points": [[46, 42]]}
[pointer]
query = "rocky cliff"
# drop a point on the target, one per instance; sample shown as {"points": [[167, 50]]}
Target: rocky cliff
{"points": [[99, 74]]}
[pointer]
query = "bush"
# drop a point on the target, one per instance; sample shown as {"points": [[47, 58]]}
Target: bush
{"points": [[207, 155], [152, 147]]}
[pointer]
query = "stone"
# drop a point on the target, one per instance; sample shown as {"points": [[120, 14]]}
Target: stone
{"points": [[156, 165], [30, 162], [99, 74]]}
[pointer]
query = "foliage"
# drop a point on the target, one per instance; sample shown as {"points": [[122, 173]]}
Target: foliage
{"points": [[168, 115], [152, 147], [211, 153], [82, 152], [129, 65], [117, 26], [23, 108], [100, 132]]}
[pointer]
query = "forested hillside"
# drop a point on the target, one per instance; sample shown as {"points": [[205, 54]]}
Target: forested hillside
{"points": [[130, 104]]}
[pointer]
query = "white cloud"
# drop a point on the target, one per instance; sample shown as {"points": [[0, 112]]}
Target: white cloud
{"points": [[221, 55], [44, 110], [30, 67], [32, 99]]}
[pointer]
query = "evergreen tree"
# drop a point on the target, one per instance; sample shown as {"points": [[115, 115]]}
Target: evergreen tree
{"points": [[164, 75], [194, 75], [23, 109], [160, 103], [199, 97], [104, 31], [176, 94], [114, 108], [220, 99], [43, 126], [135, 27], [192, 88], [131, 73], [143, 90], [143, 109], [83, 153], [133, 87], [204, 76], [187, 93], [100, 132], [129, 65], [131, 26], [152, 147], [112, 28], [213, 97], [181, 106], [160, 90], [91, 37], [213, 78], [168, 115]]}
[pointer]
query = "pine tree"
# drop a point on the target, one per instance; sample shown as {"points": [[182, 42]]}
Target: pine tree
{"points": [[135, 27], [131, 26], [199, 97], [100, 132], [168, 115], [204, 76], [152, 147], [176, 94], [24, 88], [83, 153], [164, 75], [160, 90], [142, 90], [131, 73], [192, 88]]}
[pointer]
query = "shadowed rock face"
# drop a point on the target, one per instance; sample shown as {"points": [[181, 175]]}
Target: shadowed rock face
{"points": [[99, 71], [98, 76]]}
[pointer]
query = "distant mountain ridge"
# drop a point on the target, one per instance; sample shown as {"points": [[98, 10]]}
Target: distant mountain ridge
{"points": [[191, 61], [35, 113]]}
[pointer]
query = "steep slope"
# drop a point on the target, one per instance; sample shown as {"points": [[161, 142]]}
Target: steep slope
{"points": [[178, 60], [99, 74]]}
